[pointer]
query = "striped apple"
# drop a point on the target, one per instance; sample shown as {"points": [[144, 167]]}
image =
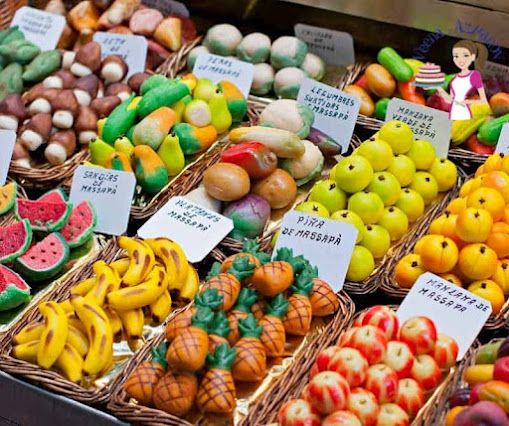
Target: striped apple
{"points": [[410, 396], [382, 381], [371, 342], [327, 392], [446, 351], [364, 405], [381, 317], [351, 364], [420, 334], [343, 418], [297, 412]]}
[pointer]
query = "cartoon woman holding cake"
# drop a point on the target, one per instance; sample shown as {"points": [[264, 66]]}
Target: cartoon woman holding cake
{"points": [[465, 53]]}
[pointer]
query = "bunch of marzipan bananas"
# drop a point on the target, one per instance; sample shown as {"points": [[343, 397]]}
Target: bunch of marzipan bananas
{"points": [[77, 335]]}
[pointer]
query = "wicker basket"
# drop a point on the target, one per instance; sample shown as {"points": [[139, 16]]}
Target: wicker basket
{"points": [[8, 9], [389, 285], [121, 406], [8, 218]]}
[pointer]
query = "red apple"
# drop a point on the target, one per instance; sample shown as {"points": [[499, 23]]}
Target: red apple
{"points": [[410, 396], [392, 415], [350, 363], [383, 382], [501, 370], [327, 392], [446, 351], [383, 318], [345, 337], [343, 418], [364, 405], [371, 342], [426, 372], [474, 393], [297, 412], [323, 359], [399, 357], [420, 334]]}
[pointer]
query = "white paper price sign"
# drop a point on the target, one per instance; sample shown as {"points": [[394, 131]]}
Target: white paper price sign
{"points": [[499, 71], [335, 111], [168, 7], [454, 310], [197, 229], [428, 124], [132, 49], [41, 28], [326, 243], [109, 191], [334, 47], [217, 68], [503, 141], [7, 141]]}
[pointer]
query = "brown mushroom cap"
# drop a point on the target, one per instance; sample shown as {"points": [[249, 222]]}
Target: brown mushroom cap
{"points": [[20, 154], [65, 138], [66, 101], [67, 77], [113, 66], [40, 124], [87, 119], [89, 84], [136, 80], [116, 88], [104, 106], [90, 56], [13, 105]]}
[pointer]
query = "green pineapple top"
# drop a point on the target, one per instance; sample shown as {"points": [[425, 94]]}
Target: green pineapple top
{"points": [[210, 298], [202, 317], [299, 263], [159, 354], [220, 326], [303, 283], [248, 327], [222, 358], [278, 306], [252, 247], [241, 268], [247, 298]]}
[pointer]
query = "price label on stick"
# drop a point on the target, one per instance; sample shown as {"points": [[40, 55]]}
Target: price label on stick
{"points": [[109, 191], [7, 141], [454, 310], [503, 141], [217, 68], [131, 48], [41, 28], [334, 47], [326, 243], [335, 111], [197, 229], [428, 124]]}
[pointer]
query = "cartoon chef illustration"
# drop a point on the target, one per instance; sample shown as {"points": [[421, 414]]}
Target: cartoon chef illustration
{"points": [[465, 53]]}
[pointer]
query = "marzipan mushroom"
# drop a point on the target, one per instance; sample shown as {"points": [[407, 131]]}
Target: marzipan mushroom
{"points": [[65, 108], [86, 88], [136, 80], [12, 112], [88, 60], [36, 132], [113, 69], [68, 58], [84, 17], [62, 79], [42, 103], [104, 106], [20, 155], [86, 125], [122, 90], [119, 11], [61, 146]]}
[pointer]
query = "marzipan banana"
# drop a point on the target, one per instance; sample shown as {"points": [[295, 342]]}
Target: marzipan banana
{"points": [[174, 259], [107, 280], [78, 340], [120, 265], [76, 323], [83, 287], [132, 322], [29, 333], [54, 335], [191, 284], [116, 324], [100, 335], [160, 308], [70, 363], [26, 351], [141, 260], [140, 295], [66, 306]]}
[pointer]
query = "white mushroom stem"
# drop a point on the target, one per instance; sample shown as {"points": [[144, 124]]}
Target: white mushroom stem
{"points": [[83, 97], [31, 140], [68, 59], [39, 105], [53, 82], [55, 154], [63, 119], [112, 72], [86, 136], [9, 122], [80, 70]]}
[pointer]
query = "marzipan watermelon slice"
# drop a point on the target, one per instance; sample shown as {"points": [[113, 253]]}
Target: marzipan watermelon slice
{"points": [[43, 216], [14, 291], [14, 240], [45, 259], [7, 197], [80, 225], [54, 196]]}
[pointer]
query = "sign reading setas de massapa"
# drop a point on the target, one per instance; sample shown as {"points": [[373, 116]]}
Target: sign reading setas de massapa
{"points": [[335, 111], [428, 124], [41, 28], [454, 310], [326, 243]]}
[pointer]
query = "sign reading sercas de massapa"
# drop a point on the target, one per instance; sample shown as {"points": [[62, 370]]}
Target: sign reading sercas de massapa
{"points": [[41, 28], [334, 47], [217, 68], [428, 124], [327, 244], [454, 310], [335, 111]]}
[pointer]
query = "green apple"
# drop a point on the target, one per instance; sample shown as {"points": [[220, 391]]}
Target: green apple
{"points": [[411, 203], [378, 153], [426, 185], [368, 205], [386, 186], [327, 193], [353, 173], [422, 153], [398, 135], [314, 208], [402, 168], [377, 240], [395, 221], [445, 173], [352, 218], [361, 265]]}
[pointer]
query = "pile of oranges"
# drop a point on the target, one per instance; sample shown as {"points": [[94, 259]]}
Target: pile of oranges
{"points": [[468, 244]]}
